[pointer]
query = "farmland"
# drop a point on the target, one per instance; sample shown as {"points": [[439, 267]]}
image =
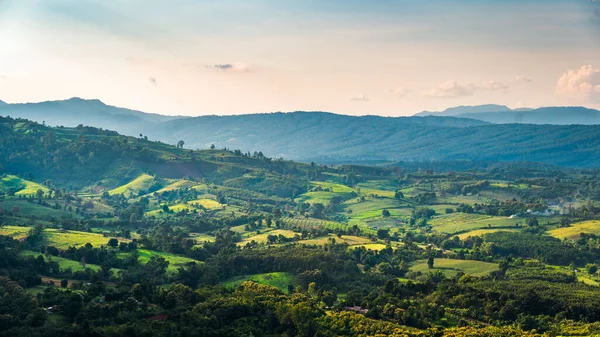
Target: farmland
{"points": [[451, 267]]}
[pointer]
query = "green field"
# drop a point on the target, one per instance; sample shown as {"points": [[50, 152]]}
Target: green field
{"points": [[65, 239], [15, 232], [32, 208], [206, 203], [277, 280], [175, 261], [457, 222], [64, 263], [141, 183], [349, 239], [451, 267], [590, 227], [20, 186]]}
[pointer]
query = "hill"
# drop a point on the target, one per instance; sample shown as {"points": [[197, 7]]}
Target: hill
{"points": [[463, 109], [75, 111]]}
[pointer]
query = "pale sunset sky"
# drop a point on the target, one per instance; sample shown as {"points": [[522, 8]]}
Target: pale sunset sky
{"points": [[392, 58]]}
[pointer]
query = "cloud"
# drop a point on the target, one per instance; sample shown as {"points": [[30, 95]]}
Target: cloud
{"points": [[581, 84], [522, 78], [494, 86], [451, 89], [3, 77], [360, 97], [230, 67], [153, 81], [401, 92]]}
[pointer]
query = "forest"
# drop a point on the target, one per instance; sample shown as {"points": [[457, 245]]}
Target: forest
{"points": [[103, 234]]}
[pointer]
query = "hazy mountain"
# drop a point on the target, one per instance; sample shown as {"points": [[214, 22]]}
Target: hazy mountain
{"points": [[2, 103], [549, 115], [75, 111], [455, 111]]}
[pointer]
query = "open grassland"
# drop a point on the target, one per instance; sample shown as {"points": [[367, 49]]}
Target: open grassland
{"points": [[15, 232], [451, 267], [277, 280], [371, 246], [65, 239], [20, 186], [458, 222], [32, 208], [329, 190], [590, 227], [141, 183], [480, 232]]}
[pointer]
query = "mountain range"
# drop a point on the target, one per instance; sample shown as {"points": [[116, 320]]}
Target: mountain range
{"points": [[463, 133]]}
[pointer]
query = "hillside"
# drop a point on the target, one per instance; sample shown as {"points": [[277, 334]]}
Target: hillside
{"points": [[75, 111]]}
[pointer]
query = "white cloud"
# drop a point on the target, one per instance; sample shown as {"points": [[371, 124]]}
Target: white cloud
{"points": [[360, 97], [401, 92], [581, 84], [494, 86], [451, 89], [522, 78], [230, 67], [153, 81]]}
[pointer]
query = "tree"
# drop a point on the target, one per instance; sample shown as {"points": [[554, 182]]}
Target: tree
{"points": [[64, 283], [180, 143], [385, 213], [399, 195], [532, 222], [591, 268], [212, 146], [39, 194], [113, 242], [430, 262]]}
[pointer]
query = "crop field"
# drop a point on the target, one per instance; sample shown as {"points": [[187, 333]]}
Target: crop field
{"points": [[480, 232], [371, 246], [20, 186], [141, 183], [278, 280], [451, 267], [456, 222], [15, 232], [65, 239], [590, 227]]}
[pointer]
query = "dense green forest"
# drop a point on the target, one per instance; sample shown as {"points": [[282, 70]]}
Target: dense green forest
{"points": [[107, 235]]}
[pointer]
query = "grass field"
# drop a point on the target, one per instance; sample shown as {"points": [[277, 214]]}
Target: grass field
{"points": [[65, 239], [349, 239], [65, 263], [451, 267], [277, 280], [262, 238], [371, 246], [141, 183], [590, 227], [456, 222], [32, 208], [21, 186], [175, 261]]}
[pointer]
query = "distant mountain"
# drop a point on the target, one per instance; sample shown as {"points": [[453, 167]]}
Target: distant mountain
{"points": [[549, 115], [75, 111], [2, 103], [500, 114], [455, 111]]}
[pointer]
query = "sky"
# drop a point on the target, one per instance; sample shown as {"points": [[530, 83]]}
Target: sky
{"points": [[391, 58]]}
